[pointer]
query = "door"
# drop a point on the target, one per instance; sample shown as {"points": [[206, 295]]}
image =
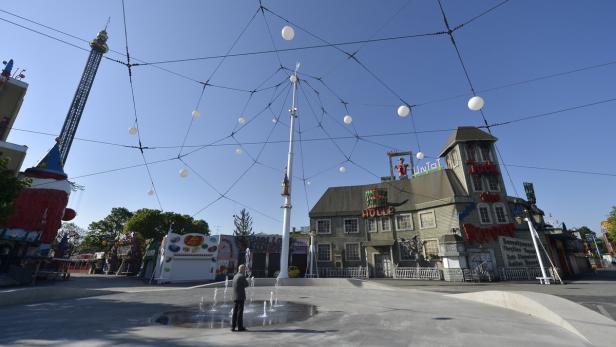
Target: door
{"points": [[382, 265]]}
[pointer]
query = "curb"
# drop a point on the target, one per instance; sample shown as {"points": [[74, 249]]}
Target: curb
{"points": [[591, 326]]}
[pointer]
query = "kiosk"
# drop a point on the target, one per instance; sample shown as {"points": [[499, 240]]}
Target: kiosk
{"points": [[187, 258]]}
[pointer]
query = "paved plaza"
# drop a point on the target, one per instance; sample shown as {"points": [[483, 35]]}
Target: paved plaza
{"points": [[119, 312]]}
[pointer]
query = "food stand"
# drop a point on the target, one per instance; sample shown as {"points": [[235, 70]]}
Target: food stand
{"points": [[187, 258]]}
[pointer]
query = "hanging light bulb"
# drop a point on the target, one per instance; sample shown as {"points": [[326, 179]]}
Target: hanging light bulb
{"points": [[151, 192], [183, 172], [288, 33], [196, 114], [348, 119], [475, 103], [308, 182], [238, 151], [241, 120], [342, 169], [132, 130], [403, 111], [274, 120], [293, 78], [420, 155]]}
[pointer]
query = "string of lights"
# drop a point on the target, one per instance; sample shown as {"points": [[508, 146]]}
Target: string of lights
{"points": [[277, 92]]}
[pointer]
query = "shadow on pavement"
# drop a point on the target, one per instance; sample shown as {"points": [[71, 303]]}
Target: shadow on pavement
{"points": [[298, 330]]}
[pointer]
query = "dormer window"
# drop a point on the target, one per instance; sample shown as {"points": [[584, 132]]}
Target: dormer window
{"points": [[470, 153], [486, 153]]}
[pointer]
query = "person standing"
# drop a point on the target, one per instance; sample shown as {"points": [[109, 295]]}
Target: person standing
{"points": [[239, 297]]}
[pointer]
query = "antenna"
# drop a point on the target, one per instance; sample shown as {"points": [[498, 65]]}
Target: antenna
{"points": [[106, 25]]}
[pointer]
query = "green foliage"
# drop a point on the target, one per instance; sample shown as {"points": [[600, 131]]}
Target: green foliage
{"points": [[243, 224], [102, 234], [154, 224], [611, 224], [11, 187]]}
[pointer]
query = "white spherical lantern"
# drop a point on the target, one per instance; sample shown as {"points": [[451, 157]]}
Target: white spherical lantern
{"points": [[183, 172], [288, 33], [196, 114], [348, 119], [132, 130], [274, 120], [238, 151], [342, 169], [151, 192], [420, 155], [475, 103], [241, 120], [293, 78], [404, 111], [308, 182]]}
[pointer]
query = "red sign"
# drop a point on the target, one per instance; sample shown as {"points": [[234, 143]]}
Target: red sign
{"points": [[377, 212], [480, 168], [489, 197], [474, 233]]}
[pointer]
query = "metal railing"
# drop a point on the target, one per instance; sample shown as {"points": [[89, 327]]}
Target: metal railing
{"points": [[418, 273], [344, 272], [524, 273]]}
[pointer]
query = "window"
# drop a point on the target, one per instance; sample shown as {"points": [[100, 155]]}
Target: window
{"points": [[493, 185], [470, 152], [323, 226], [477, 183], [430, 248], [485, 152], [484, 214], [405, 252], [404, 222], [427, 220], [351, 251], [324, 251], [371, 225], [351, 226], [452, 158], [501, 213], [385, 224]]}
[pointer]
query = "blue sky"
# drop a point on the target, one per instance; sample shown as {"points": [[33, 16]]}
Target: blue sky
{"points": [[520, 40]]}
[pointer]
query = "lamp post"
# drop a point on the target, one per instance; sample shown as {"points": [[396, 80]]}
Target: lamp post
{"points": [[286, 222]]}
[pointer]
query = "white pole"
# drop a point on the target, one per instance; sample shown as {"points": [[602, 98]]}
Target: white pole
{"points": [[544, 279], [596, 247], [286, 222]]}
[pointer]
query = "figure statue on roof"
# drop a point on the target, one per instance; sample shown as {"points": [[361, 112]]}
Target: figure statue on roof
{"points": [[6, 72], [402, 168]]}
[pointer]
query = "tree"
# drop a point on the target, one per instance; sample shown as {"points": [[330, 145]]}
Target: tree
{"points": [[243, 224], [102, 234], [73, 234], [584, 231], [11, 187], [611, 224], [154, 224]]}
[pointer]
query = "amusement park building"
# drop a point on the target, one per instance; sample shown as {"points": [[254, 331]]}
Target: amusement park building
{"points": [[451, 217]]}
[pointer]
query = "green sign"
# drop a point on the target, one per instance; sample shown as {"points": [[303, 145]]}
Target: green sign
{"points": [[376, 197]]}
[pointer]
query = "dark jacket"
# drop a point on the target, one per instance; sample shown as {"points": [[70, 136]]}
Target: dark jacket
{"points": [[239, 287]]}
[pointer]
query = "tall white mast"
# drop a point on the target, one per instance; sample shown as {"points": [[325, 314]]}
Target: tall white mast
{"points": [[286, 222]]}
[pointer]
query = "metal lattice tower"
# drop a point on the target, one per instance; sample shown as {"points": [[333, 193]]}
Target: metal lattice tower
{"points": [[65, 140]]}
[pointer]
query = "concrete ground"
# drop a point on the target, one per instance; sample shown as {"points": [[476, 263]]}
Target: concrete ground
{"points": [[372, 315], [596, 291]]}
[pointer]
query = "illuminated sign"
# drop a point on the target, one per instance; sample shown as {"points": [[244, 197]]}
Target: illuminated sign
{"points": [[378, 212], [474, 233], [489, 197], [427, 168], [481, 168], [375, 197]]}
